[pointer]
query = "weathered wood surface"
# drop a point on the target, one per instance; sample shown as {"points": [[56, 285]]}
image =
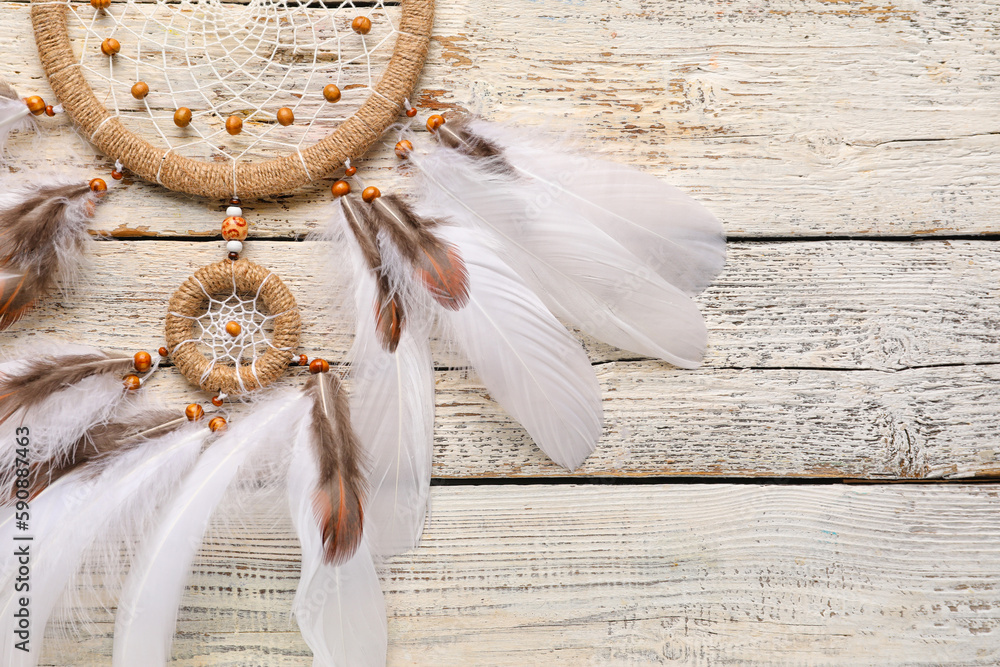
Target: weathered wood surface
{"points": [[787, 118], [868, 358], [827, 304], [642, 575]]}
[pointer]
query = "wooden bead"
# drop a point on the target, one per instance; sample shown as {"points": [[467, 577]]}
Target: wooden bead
{"points": [[233, 256], [350, 171], [110, 46], [117, 175], [285, 116], [163, 352], [403, 149], [370, 194], [217, 424], [233, 328], [132, 382], [36, 104], [142, 361], [235, 201], [182, 117], [50, 110], [411, 112], [234, 228], [194, 412], [234, 125], [140, 90], [217, 401], [434, 122], [303, 360], [319, 366], [341, 188], [98, 185], [100, 4], [361, 25], [331, 93]]}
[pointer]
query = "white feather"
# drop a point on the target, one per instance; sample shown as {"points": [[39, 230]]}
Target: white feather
{"points": [[14, 116], [147, 614], [531, 365], [57, 423], [580, 272], [70, 515], [339, 610], [663, 227], [392, 410]]}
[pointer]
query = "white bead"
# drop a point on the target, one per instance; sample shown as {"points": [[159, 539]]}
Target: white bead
{"points": [[234, 210], [234, 246]]}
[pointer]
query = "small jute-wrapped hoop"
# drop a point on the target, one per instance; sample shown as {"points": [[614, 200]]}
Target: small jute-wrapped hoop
{"points": [[190, 302], [218, 180]]}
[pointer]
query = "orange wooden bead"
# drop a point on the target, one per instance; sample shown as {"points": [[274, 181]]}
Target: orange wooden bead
{"points": [[234, 125], [341, 188], [140, 90], [36, 104], [331, 93], [142, 361], [110, 46], [350, 171], [217, 424], [434, 122], [235, 201], [303, 360], [361, 25], [234, 228], [217, 401], [132, 382], [194, 412], [100, 4], [285, 116], [403, 149], [182, 117], [319, 366], [233, 329], [50, 110], [117, 175], [163, 351], [98, 185], [370, 194], [411, 112]]}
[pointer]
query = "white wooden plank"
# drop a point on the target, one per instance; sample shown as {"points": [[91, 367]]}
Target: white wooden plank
{"points": [[690, 574], [812, 118], [830, 304]]}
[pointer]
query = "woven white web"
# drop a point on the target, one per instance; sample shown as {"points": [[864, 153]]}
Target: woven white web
{"points": [[218, 344], [224, 59]]}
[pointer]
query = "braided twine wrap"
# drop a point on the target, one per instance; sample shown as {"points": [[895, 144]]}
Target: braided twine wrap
{"points": [[190, 301], [217, 180]]}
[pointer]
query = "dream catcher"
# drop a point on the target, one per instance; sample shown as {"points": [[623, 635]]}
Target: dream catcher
{"points": [[504, 237]]}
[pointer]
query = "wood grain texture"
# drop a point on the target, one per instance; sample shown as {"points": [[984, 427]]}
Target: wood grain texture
{"points": [[829, 304], [686, 575], [788, 118]]}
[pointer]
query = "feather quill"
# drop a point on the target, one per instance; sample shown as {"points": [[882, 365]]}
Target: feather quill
{"points": [[339, 609], [147, 613], [392, 398], [531, 365], [14, 115], [437, 265], [338, 498], [579, 271], [112, 495], [666, 229], [42, 237]]}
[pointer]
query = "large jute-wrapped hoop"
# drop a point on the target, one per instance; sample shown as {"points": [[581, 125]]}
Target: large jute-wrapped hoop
{"points": [[191, 301], [221, 181]]}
